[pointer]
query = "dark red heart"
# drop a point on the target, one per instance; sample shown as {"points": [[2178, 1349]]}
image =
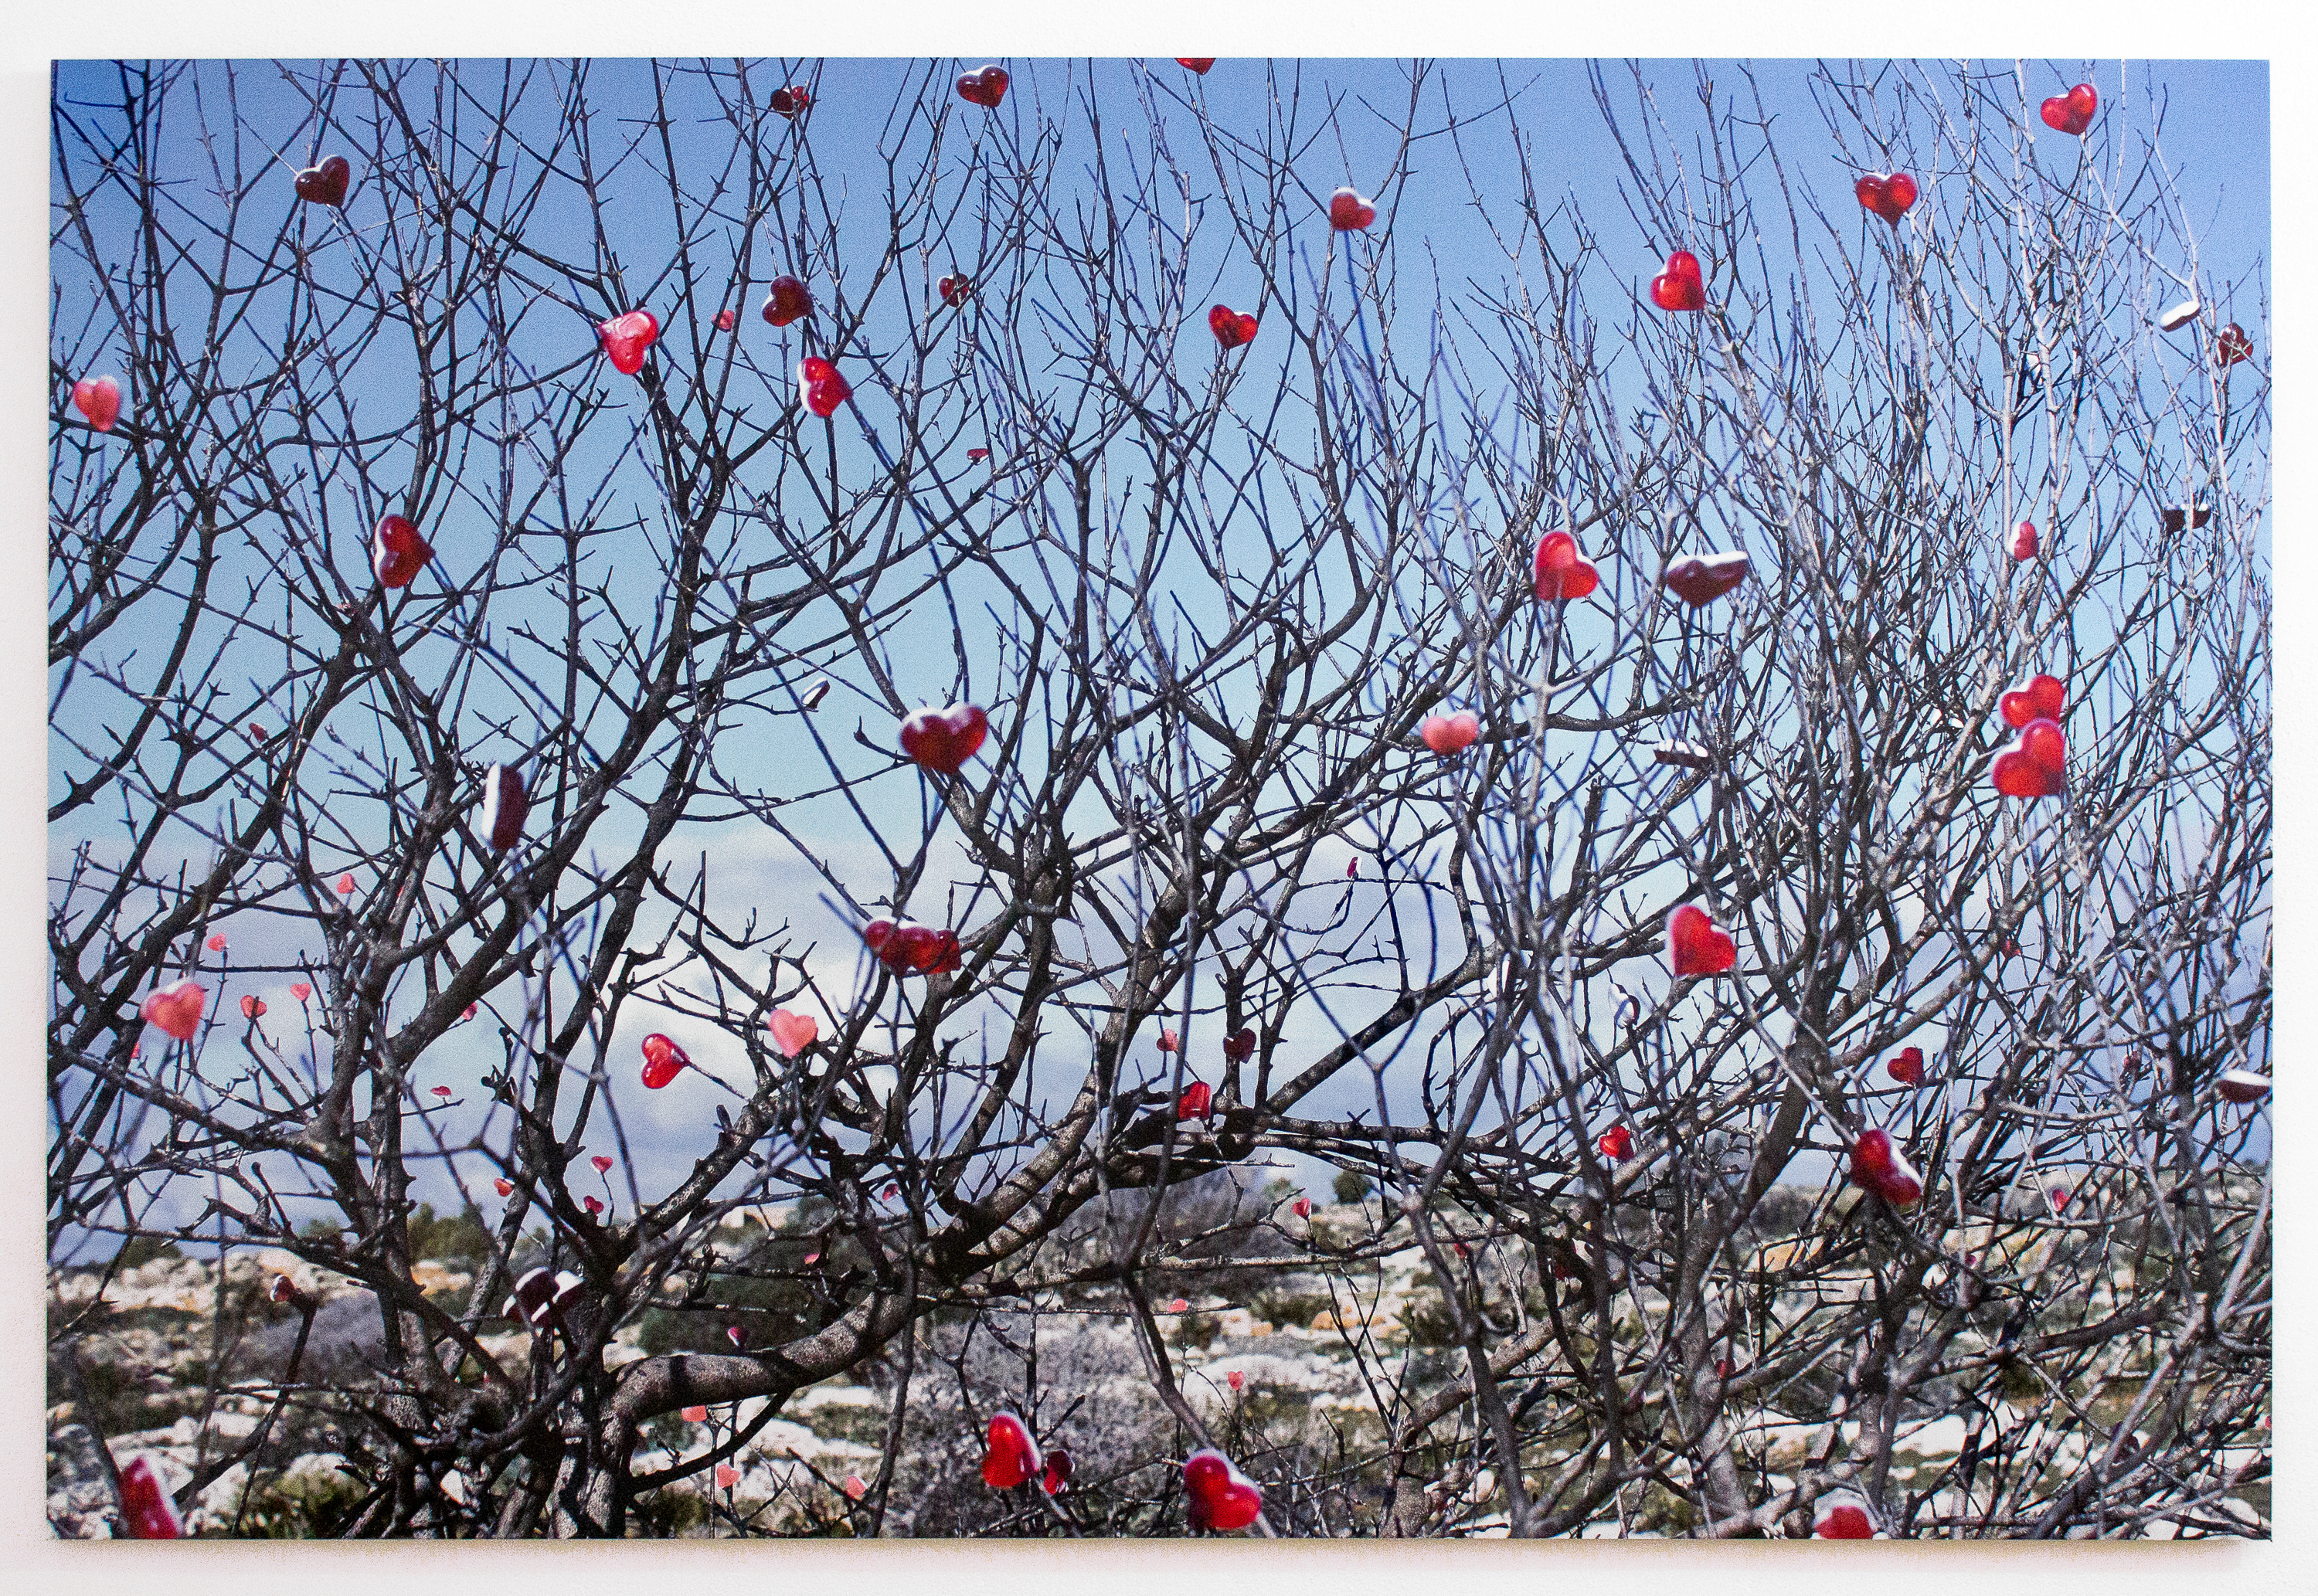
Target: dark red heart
{"points": [[2072, 113], [1198, 1098], [944, 739], [505, 805], [626, 338], [1847, 1521], [1880, 1167], [99, 399], [1240, 1045], [2231, 345], [2039, 698], [1560, 571], [820, 387], [2037, 764], [726, 320], [1012, 1456], [1616, 1144], [955, 291], [1198, 64], [1450, 734], [977, 456], [1301, 1208], [1232, 328], [1907, 1066], [253, 1007], [176, 1009], [145, 1509], [985, 87], [1700, 580], [1219, 1496], [910, 946], [1057, 1474], [397, 552], [2241, 1086], [663, 1060], [791, 100], [1348, 212], [1888, 196], [1680, 287], [2024, 541], [787, 302], [326, 184], [1694, 947]]}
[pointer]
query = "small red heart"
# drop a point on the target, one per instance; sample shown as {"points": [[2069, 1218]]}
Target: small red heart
{"points": [[811, 1259], [663, 1060], [256, 731], [2241, 1086], [147, 1509], [977, 456], [325, 184], [1197, 1101], [2024, 542], [1880, 1167], [1352, 867], [1240, 1045], [397, 552], [216, 943], [2037, 764], [790, 101], [787, 302], [1616, 1144], [1221, 1497], [1348, 212], [300, 990], [1012, 1456], [1198, 64], [985, 87], [732, 1334], [1236, 1380], [1057, 1474], [1723, 1367], [955, 291], [1700, 580], [696, 1415], [1694, 947], [2072, 113], [441, 1091], [503, 1186], [912, 946], [792, 1033], [1450, 734], [2231, 345], [345, 883], [1181, 1304], [99, 399], [1560, 571], [1302, 1208], [2039, 698], [603, 1165], [1907, 1066], [591, 1205], [944, 739], [469, 1011], [1888, 197], [856, 1487], [253, 1007], [626, 338], [176, 1009], [726, 321], [1680, 287], [1232, 328], [820, 386], [1168, 1042], [727, 1476], [1848, 1521], [891, 1192], [505, 805]]}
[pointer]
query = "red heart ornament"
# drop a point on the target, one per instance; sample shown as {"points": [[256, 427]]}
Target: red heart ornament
{"points": [[977, 456], [397, 552], [912, 946], [1681, 286], [325, 184], [726, 321], [99, 399], [1220, 1496], [663, 1060], [1302, 1208], [944, 739], [955, 291], [216, 943], [1057, 1474], [1169, 1042], [346, 884], [626, 338], [503, 1186], [2037, 764], [505, 805], [2231, 345], [985, 87], [696, 1415], [1180, 1305], [1907, 1066], [2039, 698], [1560, 571], [2241, 1086], [790, 101], [1348, 212], [603, 1164], [1232, 328], [175, 1008], [1889, 196], [1701, 579], [300, 990], [469, 1011], [792, 1033], [1198, 64], [1240, 1045], [1694, 947], [2072, 113], [727, 1476], [1845, 1522], [1010, 1456], [1450, 734], [1880, 1167], [1616, 1144], [786, 302], [856, 1487], [145, 1509], [1197, 1100], [440, 1091], [820, 386], [2024, 542], [2059, 1197], [1236, 1380], [253, 1007]]}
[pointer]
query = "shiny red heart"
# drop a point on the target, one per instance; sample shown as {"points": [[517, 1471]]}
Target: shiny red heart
{"points": [[1348, 212], [977, 456], [1057, 1475], [955, 291], [1450, 734], [820, 386], [253, 1007], [1232, 328], [1240, 1045], [1701, 579], [912, 946], [985, 87], [503, 1186], [1219, 1496], [2024, 542], [626, 338], [1880, 1167], [1681, 286], [663, 1060], [1694, 947], [856, 1487], [2231, 345], [791, 100], [792, 1033], [726, 321], [944, 739], [1302, 1208], [2241, 1086], [1560, 571], [696, 1415], [1847, 1521], [1198, 1098], [1888, 196], [300, 990], [1616, 1144], [2037, 764], [99, 399], [2072, 113], [1236, 1380], [397, 552], [440, 1091], [1198, 64], [505, 805], [145, 1509], [1907, 1066], [603, 1164], [2059, 1197], [786, 302], [176, 1009], [2039, 698], [1169, 1042], [325, 184], [345, 883], [216, 943], [1010, 1456]]}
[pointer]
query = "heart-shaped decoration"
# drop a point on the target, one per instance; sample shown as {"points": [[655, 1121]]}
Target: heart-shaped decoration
{"points": [[727, 1476], [1694, 947], [216, 943], [1907, 1066], [1240, 1045], [820, 386], [734, 1334], [1236, 1380], [1197, 1101], [99, 399], [2177, 517], [1198, 64], [1889, 196], [300, 990], [626, 338], [944, 739], [2176, 317], [325, 184], [397, 552], [603, 1164], [663, 1060], [1616, 1144], [2058, 1195], [1450, 734], [253, 1007], [2024, 541], [503, 1186], [1011, 1455], [2037, 764], [1681, 286], [696, 1415], [2039, 698], [1169, 1042], [440, 1091], [912, 946], [1701, 579], [786, 302], [505, 805], [145, 1509], [1878, 1166], [2241, 1086], [977, 456], [1352, 867], [1056, 1477], [726, 321], [1844, 1521], [1560, 571], [2072, 113], [1232, 327], [1220, 1496], [346, 885], [985, 87], [1348, 212], [469, 1011], [2231, 345], [955, 291], [1180, 1305], [1689, 756], [790, 101], [792, 1033], [1301, 1208], [856, 1487], [175, 1008]]}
